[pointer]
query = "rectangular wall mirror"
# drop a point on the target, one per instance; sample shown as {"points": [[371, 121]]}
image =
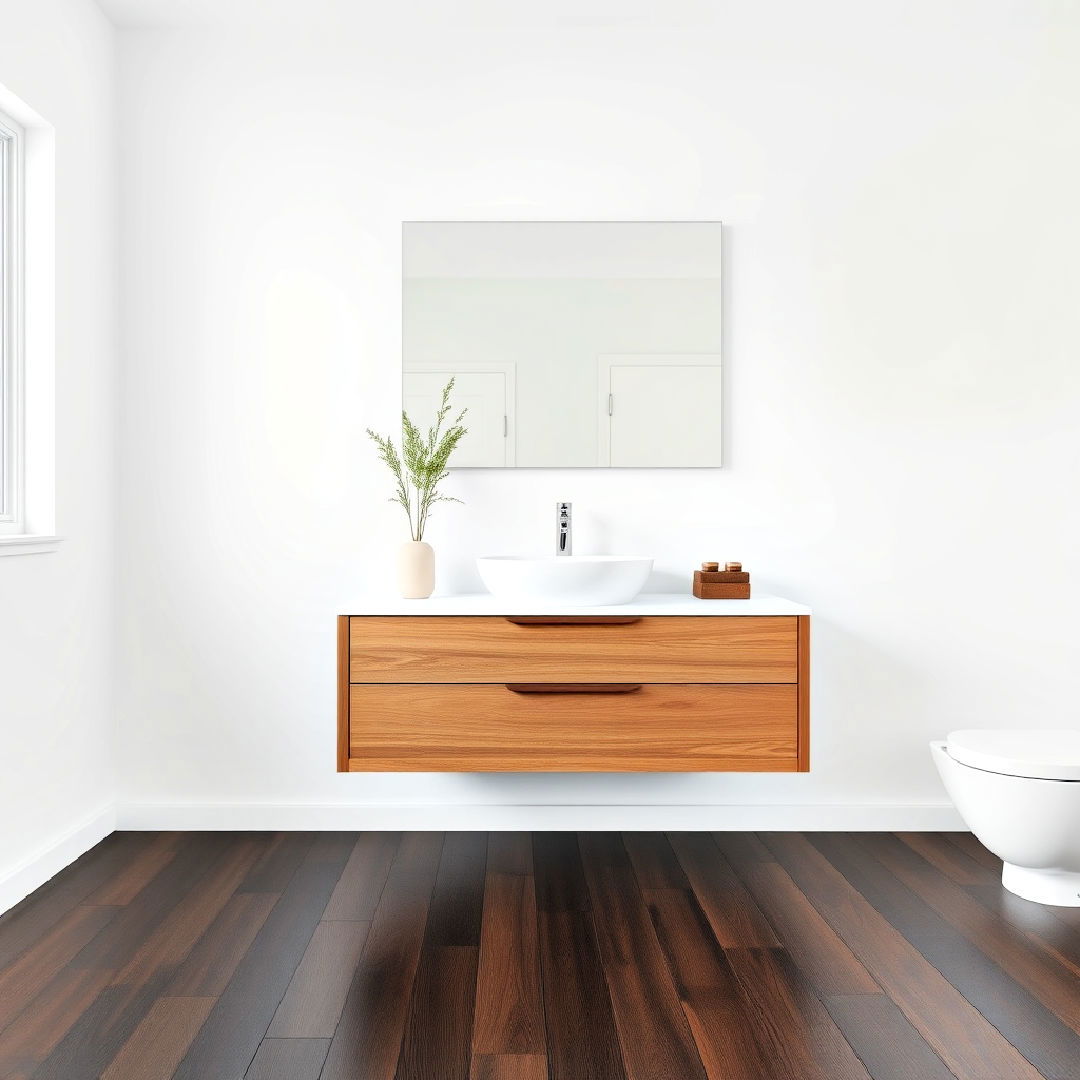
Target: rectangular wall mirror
{"points": [[573, 344]]}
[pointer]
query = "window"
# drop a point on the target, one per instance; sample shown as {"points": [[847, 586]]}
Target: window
{"points": [[12, 147]]}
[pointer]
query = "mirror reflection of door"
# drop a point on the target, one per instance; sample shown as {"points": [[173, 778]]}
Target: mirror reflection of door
{"points": [[659, 410], [488, 394], [549, 299]]}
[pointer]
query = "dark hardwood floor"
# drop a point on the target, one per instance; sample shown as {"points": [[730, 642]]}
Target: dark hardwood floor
{"points": [[515, 956]]}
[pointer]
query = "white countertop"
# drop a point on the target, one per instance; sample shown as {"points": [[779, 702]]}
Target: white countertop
{"points": [[643, 604]]}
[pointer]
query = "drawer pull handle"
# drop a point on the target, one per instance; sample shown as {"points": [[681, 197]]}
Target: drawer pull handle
{"points": [[572, 620], [572, 688]]}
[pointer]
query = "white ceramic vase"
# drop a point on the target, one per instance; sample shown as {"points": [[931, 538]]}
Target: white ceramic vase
{"points": [[416, 570]]}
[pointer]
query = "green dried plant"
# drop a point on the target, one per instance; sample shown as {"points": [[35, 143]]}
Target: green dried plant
{"points": [[422, 464]]}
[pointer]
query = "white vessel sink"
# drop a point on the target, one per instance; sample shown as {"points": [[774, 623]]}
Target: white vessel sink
{"points": [[581, 580]]}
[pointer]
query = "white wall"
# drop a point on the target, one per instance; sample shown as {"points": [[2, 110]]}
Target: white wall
{"points": [[898, 185], [57, 723]]}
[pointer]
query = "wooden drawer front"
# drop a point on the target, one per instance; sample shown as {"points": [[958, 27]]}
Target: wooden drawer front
{"points": [[408, 727], [654, 649]]}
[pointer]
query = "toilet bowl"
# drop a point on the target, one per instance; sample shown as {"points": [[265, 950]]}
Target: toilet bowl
{"points": [[1019, 793]]}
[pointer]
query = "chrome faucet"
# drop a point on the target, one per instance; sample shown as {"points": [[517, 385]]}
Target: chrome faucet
{"points": [[564, 538]]}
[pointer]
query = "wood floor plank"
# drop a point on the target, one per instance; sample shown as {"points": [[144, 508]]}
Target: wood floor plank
{"points": [[40, 1028], [735, 918], [145, 957], [653, 1030], [656, 866], [127, 932], [560, 885], [583, 1041], [207, 969], [947, 858], [723, 1030], [438, 1027], [1042, 925], [25, 923], [288, 1059], [122, 888], [316, 995], [969, 844], [794, 1027], [357, 893], [816, 949], [971, 1047], [889, 1047], [509, 1067], [155, 1047], [521, 957], [237, 1024], [281, 858], [508, 1015], [457, 904], [170, 942], [742, 848], [1041, 1036], [367, 1042], [23, 979], [1052, 983]]}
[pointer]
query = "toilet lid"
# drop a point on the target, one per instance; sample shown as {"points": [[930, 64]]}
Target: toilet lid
{"points": [[1044, 755]]}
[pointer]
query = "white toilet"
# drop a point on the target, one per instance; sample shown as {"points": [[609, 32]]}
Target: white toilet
{"points": [[1019, 792]]}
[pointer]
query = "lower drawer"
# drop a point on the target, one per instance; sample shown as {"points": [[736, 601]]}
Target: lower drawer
{"points": [[487, 727]]}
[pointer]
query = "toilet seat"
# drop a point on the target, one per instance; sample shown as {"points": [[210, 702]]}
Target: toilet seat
{"points": [[1041, 755]]}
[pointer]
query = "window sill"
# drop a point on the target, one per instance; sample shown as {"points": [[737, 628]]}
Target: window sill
{"points": [[28, 544]]}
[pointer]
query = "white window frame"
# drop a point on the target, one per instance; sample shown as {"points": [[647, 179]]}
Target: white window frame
{"points": [[12, 291], [28, 520]]}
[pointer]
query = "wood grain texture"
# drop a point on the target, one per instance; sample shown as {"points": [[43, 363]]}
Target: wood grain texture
{"points": [[481, 649], [947, 857], [804, 692], [1050, 982], [509, 1067], [509, 1015], [231, 1035], [734, 916], [158, 1044], [548, 956], [343, 693], [815, 947], [797, 1032], [487, 728], [889, 1047], [313, 1002], [368, 1038], [288, 1059], [1041, 925], [23, 979], [210, 965], [583, 1041], [105, 864], [971, 1046], [438, 1030], [1049, 1044], [653, 1030], [357, 893]]}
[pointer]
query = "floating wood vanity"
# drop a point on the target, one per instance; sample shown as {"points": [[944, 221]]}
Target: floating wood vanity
{"points": [[664, 684]]}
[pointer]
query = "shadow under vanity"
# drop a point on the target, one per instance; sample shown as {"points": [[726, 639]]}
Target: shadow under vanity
{"points": [[660, 684]]}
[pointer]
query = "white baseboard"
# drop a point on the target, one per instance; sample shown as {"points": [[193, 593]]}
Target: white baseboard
{"points": [[875, 817], [23, 878]]}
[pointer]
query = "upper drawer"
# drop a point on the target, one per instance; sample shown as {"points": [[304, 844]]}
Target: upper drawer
{"points": [[654, 649]]}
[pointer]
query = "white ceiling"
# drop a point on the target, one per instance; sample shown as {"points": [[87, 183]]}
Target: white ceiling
{"points": [[413, 13]]}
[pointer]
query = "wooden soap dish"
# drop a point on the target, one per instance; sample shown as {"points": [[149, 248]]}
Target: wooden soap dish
{"points": [[712, 583]]}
